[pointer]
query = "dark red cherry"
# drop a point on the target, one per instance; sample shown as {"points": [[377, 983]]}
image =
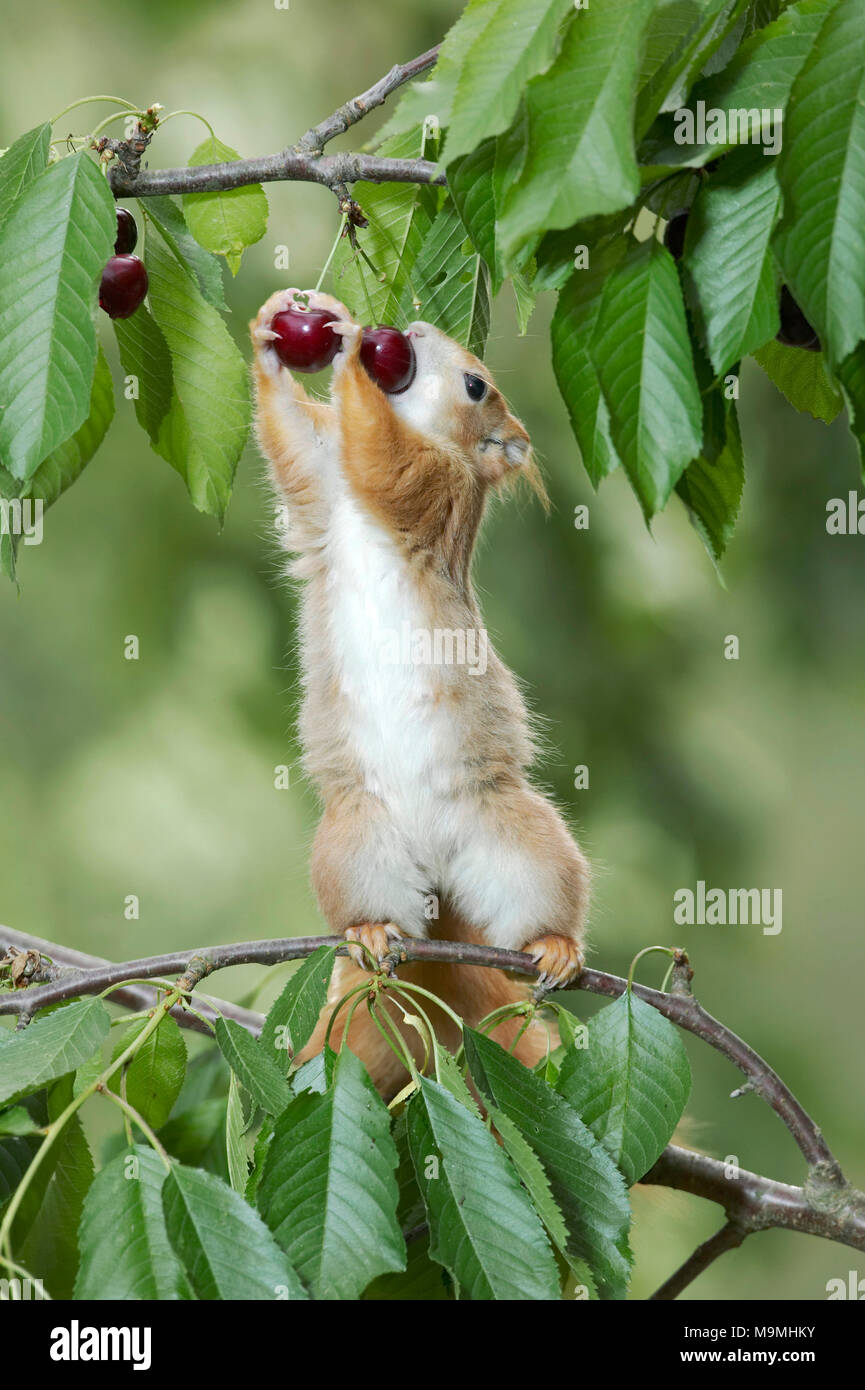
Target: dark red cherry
{"points": [[127, 233], [795, 329], [304, 342], [389, 358], [674, 235], [123, 287]]}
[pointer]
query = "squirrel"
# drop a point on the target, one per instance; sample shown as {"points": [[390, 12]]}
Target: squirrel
{"points": [[422, 765]]}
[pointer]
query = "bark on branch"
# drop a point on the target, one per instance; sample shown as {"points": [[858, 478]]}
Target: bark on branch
{"points": [[304, 161]]}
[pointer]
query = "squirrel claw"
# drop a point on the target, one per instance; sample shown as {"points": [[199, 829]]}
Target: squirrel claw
{"points": [[560, 960], [377, 937]]}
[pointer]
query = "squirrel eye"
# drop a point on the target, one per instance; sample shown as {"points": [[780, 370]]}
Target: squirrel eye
{"points": [[476, 387]]}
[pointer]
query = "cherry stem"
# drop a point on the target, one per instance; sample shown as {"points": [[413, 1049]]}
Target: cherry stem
{"points": [[337, 240], [198, 116], [87, 101]]}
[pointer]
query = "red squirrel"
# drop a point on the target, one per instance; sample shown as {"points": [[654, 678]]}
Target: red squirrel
{"points": [[422, 764]]}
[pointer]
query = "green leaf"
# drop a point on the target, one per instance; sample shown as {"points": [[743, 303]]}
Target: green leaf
{"points": [[580, 158], [223, 1244], [642, 354], [730, 274], [228, 220], [532, 1174], [571, 332], [483, 1227], [400, 216], [851, 376], [435, 96], [51, 1247], [235, 1146], [293, 1016], [712, 489], [204, 267], [145, 356], [316, 1074], [253, 1066], [196, 1136], [67, 462], [16, 1155], [204, 432], [51, 1046], [759, 76], [517, 40], [24, 160], [155, 1074], [18, 1121], [820, 242], [525, 299], [801, 377], [585, 1183], [53, 248], [452, 283], [679, 38], [125, 1251], [328, 1191], [631, 1084], [472, 185]]}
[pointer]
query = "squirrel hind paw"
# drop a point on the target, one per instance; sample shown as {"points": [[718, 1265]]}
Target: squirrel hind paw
{"points": [[559, 960], [372, 941]]}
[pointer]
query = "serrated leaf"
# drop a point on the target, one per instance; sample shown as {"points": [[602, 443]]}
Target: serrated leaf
{"points": [[820, 242], [452, 283], [400, 216], [472, 185], [678, 38], [67, 462], [524, 299], [222, 1243], [517, 40], [204, 432], [145, 356], [225, 221], [316, 1074], [587, 1187], [51, 1046], [642, 355], [580, 159], [711, 489], [482, 1225], [328, 1191], [730, 274], [532, 1174], [53, 247], [196, 1136], [25, 159], [801, 376], [449, 1076], [154, 1076], [571, 331], [235, 1146], [16, 1155], [205, 268], [631, 1084], [253, 1066], [293, 1016], [51, 1247], [759, 76], [18, 1120], [434, 96], [851, 376], [124, 1246]]}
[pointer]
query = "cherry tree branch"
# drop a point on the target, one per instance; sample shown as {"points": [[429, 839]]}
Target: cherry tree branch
{"points": [[825, 1206], [302, 162]]}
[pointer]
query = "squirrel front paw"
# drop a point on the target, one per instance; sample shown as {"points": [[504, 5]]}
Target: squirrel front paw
{"points": [[262, 332], [559, 960], [370, 943]]}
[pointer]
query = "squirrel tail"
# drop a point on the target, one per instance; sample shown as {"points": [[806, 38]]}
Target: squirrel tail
{"points": [[472, 991]]}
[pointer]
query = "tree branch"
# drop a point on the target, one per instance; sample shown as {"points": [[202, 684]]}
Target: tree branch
{"points": [[301, 162]]}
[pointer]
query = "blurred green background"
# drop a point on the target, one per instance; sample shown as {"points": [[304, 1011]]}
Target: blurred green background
{"points": [[156, 777]]}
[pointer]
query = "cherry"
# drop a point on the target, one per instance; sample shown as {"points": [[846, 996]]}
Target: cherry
{"points": [[127, 233], [389, 358], [123, 287], [674, 234], [304, 342], [795, 330]]}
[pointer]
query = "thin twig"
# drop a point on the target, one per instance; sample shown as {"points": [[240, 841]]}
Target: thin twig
{"points": [[682, 1009], [728, 1238], [303, 162]]}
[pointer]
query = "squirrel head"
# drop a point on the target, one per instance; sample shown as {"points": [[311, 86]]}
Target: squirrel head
{"points": [[454, 401]]}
